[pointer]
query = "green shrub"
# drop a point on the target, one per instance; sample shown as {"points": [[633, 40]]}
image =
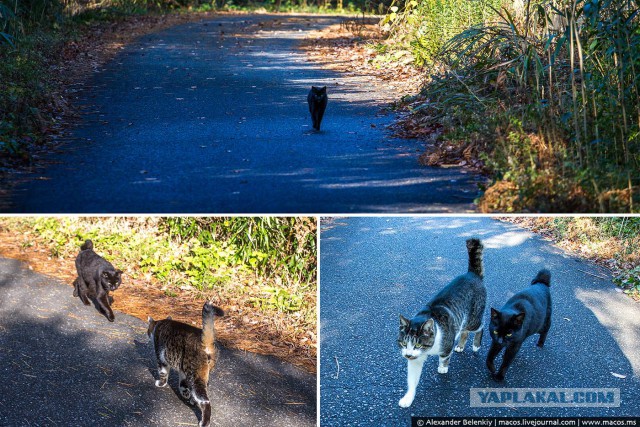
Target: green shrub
{"points": [[423, 26], [556, 91]]}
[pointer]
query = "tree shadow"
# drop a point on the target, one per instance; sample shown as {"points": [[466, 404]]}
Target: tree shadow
{"points": [[252, 140], [63, 365], [265, 384]]}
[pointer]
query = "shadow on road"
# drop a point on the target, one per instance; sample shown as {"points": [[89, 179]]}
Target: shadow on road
{"points": [[55, 375], [64, 364], [221, 105]]}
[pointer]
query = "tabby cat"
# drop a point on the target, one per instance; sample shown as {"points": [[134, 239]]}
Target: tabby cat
{"points": [[526, 313], [189, 350], [453, 313], [317, 100], [96, 277]]}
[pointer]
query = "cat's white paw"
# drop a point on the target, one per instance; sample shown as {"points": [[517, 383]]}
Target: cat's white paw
{"points": [[475, 349], [459, 349], [406, 401], [159, 383], [443, 369]]}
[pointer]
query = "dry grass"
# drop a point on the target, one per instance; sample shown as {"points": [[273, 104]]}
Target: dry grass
{"points": [[592, 238], [349, 48], [585, 237]]}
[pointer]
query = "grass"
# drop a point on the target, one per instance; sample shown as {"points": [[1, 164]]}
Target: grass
{"points": [[422, 27], [610, 241], [24, 94], [545, 93], [33, 35], [261, 270]]}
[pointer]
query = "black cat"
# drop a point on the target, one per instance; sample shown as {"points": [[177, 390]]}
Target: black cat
{"points": [[526, 313], [317, 100], [96, 277]]}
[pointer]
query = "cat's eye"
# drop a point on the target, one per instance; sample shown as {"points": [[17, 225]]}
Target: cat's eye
{"points": [[509, 334], [495, 332]]}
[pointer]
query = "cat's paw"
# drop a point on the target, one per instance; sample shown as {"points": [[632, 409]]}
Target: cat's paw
{"points": [[406, 401], [499, 376], [185, 392], [458, 349], [160, 383], [443, 369], [475, 349]]}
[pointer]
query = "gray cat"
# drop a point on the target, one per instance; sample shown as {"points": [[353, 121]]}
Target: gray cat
{"points": [[189, 350], [453, 313], [96, 277]]}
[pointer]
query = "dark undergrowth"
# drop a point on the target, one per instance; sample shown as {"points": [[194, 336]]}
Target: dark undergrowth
{"points": [[547, 94], [33, 34]]}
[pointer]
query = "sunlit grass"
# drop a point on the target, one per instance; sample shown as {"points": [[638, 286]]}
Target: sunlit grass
{"points": [[265, 263]]}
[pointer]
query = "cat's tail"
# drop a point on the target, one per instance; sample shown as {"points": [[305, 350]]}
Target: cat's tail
{"points": [[474, 248], [209, 311], [88, 244], [544, 277]]}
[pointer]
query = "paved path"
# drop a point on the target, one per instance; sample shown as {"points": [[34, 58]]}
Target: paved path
{"points": [[64, 364], [374, 269], [211, 117]]}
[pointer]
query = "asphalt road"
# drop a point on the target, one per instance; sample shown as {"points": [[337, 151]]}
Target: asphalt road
{"points": [[373, 269], [211, 117], [64, 364]]}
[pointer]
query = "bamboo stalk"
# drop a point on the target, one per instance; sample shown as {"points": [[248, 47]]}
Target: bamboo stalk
{"points": [[574, 92]]}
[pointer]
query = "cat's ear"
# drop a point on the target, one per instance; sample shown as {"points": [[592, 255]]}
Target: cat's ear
{"points": [[118, 273], [494, 313], [149, 319], [168, 317], [518, 319], [427, 326], [404, 322], [323, 89]]}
